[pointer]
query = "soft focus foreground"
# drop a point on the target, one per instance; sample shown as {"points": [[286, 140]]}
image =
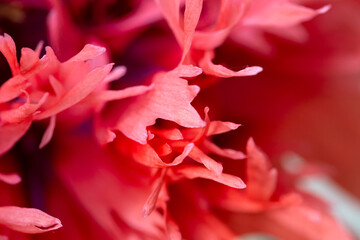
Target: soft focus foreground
{"points": [[170, 119]]}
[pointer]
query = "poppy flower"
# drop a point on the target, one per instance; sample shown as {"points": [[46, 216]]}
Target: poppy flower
{"points": [[125, 152]]}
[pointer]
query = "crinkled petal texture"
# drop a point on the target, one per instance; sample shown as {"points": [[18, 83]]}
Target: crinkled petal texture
{"points": [[28, 220], [54, 89], [169, 99], [188, 37]]}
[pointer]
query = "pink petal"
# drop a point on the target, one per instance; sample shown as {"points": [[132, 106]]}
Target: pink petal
{"points": [[191, 18], [186, 71], [8, 49], [28, 220], [220, 71], [11, 133], [208, 162], [48, 132], [279, 13], [224, 152], [116, 73], [187, 150], [146, 155], [78, 92], [218, 127], [200, 172], [261, 177], [108, 204], [87, 53], [173, 230], [22, 112], [171, 11], [12, 88], [229, 16], [169, 99], [57, 86], [111, 95], [170, 134], [28, 60], [12, 178], [152, 199], [299, 222], [163, 150], [64, 37]]}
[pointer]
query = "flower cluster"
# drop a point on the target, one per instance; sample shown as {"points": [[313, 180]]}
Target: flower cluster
{"points": [[111, 127]]}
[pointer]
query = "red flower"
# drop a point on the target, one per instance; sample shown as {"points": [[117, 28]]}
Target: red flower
{"points": [[133, 159]]}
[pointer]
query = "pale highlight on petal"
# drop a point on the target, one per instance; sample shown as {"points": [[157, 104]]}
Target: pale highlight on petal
{"points": [[10, 178]]}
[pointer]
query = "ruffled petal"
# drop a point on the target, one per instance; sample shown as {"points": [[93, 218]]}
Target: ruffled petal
{"points": [[169, 99], [78, 92]]}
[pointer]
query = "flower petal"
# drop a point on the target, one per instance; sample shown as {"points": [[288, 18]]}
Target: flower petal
{"points": [[169, 99], [88, 52], [111, 95], [279, 13], [208, 162], [152, 199], [22, 112], [201, 172], [11, 133], [12, 88], [8, 49], [78, 92], [28, 60], [48, 132], [191, 18], [220, 71], [261, 177], [10, 178], [224, 152], [28, 220], [218, 127]]}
